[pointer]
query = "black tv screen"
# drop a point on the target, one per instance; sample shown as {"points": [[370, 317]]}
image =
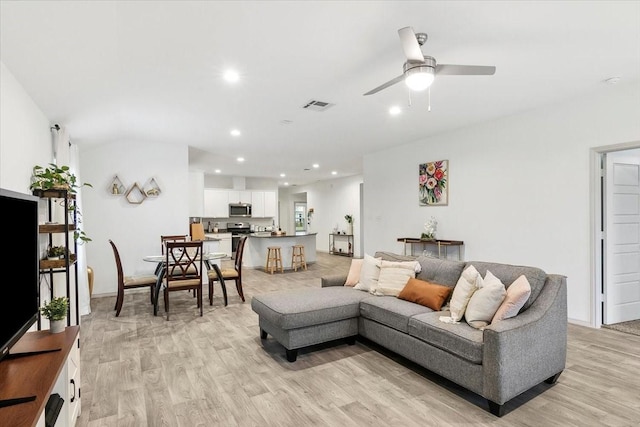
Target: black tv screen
{"points": [[19, 285]]}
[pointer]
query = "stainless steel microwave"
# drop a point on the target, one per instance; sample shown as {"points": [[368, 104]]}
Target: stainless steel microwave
{"points": [[242, 210]]}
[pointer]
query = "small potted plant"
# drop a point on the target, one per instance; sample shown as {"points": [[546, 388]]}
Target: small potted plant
{"points": [[56, 311], [56, 252]]}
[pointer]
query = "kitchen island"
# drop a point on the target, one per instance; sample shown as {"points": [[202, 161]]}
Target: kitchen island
{"points": [[255, 251]]}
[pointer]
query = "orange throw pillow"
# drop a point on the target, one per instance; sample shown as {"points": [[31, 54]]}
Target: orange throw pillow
{"points": [[425, 293]]}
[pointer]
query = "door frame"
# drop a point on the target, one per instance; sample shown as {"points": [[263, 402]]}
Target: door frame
{"points": [[597, 240]]}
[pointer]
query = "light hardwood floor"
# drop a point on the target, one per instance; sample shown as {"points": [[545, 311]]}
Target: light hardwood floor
{"points": [[141, 370]]}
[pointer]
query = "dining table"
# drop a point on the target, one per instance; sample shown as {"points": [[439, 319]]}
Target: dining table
{"points": [[161, 260]]}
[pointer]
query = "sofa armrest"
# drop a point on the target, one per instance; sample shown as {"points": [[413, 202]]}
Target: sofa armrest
{"points": [[335, 280], [525, 350]]}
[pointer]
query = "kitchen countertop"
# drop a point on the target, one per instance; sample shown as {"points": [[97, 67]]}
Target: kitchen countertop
{"points": [[264, 234]]}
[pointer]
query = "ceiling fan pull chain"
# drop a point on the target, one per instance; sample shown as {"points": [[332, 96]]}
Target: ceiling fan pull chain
{"points": [[429, 99], [409, 103]]}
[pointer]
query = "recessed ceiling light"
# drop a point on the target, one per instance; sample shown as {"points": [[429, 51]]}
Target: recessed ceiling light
{"points": [[316, 166], [395, 110], [286, 183], [231, 76], [217, 171], [334, 173], [240, 159], [235, 132], [282, 175]]}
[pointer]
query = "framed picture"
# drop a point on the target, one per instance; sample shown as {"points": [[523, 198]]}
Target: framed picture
{"points": [[433, 183]]}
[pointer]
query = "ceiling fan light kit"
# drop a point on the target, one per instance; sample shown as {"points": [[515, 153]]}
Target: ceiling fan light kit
{"points": [[419, 76]]}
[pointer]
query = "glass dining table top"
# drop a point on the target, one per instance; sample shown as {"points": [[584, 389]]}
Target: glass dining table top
{"points": [[207, 257]]}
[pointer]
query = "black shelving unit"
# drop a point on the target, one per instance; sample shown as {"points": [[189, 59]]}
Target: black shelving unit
{"points": [[344, 244], [67, 266]]}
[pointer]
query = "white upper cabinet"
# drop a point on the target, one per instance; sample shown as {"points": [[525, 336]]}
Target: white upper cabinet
{"points": [[236, 196], [270, 204], [257, 204], [216, 203]]}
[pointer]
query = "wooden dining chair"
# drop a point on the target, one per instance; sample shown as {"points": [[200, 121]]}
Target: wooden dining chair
{"points": [[172, 238], [183, 264], [130, 282], [234, 274]]}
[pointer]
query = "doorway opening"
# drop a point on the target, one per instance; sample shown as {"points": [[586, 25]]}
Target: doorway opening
{"points": [[300, 217]]}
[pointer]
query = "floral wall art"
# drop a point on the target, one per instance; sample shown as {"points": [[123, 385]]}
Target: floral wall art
{"points": [[433, 183]]}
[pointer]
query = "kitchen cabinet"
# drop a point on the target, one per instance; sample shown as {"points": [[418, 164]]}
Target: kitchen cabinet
{"points": [[223, 245], [270, 204], [257, 204], [216, 203], [263, 204], [235, 196]]}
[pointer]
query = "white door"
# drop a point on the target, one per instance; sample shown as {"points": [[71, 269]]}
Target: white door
{"points": [[622, 237]]}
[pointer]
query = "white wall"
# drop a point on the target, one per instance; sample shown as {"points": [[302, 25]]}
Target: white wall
{"points": [[134, 228], [25, 137], [519, 187]]}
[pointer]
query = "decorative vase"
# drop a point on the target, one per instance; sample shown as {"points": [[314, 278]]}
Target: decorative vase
{"points": [[349, 228], [57, 326]]}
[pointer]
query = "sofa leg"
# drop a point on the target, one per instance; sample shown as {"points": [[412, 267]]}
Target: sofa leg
{"points": [[351, 340], [553, 379], [263, 334], [292, 355], [495, 409]]}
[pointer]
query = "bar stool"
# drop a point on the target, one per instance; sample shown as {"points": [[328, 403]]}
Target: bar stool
{"points": [[274, 260], [297, 258]]}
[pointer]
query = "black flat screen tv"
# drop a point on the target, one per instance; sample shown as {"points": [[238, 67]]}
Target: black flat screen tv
{"points": [[19, 285]]}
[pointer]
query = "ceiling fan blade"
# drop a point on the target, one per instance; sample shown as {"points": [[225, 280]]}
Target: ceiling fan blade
{"points": [[465, 70], [386, 85], [410, 44]]}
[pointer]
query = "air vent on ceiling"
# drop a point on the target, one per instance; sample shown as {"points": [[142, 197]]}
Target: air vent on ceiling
{"points": [[314, 105]]}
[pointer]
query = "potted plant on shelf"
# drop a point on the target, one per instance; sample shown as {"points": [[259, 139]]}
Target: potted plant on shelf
{"points": [[56, 252], [56, 311], [349, 219], [54, 177]]}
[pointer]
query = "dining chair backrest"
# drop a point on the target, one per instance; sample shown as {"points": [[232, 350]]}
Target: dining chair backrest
{"points": [[172, 238], [239, 252], [197, 231], [183, 264], [128, 282], [183, 260]]}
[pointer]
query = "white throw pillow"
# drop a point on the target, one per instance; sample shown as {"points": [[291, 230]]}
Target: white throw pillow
{"points": [[517, 294], [485, 302], [369, 273], [465, 287], [394, 275]]}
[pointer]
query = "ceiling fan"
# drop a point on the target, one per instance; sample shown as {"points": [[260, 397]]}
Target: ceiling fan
{"points": [[419, 70]]}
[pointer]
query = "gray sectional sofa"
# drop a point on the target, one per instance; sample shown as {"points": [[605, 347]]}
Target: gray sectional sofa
{"points": [[499, 363]]}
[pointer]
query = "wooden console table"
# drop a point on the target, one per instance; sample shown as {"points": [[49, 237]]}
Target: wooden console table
{"points": [[443, 245]]}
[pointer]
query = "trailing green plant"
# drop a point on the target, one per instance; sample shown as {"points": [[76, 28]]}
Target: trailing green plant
{"points": [[349, 218], [55, 177], [56, 309]]}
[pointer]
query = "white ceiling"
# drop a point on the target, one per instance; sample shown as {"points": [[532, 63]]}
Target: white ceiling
{"points": [[150, 71]]}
